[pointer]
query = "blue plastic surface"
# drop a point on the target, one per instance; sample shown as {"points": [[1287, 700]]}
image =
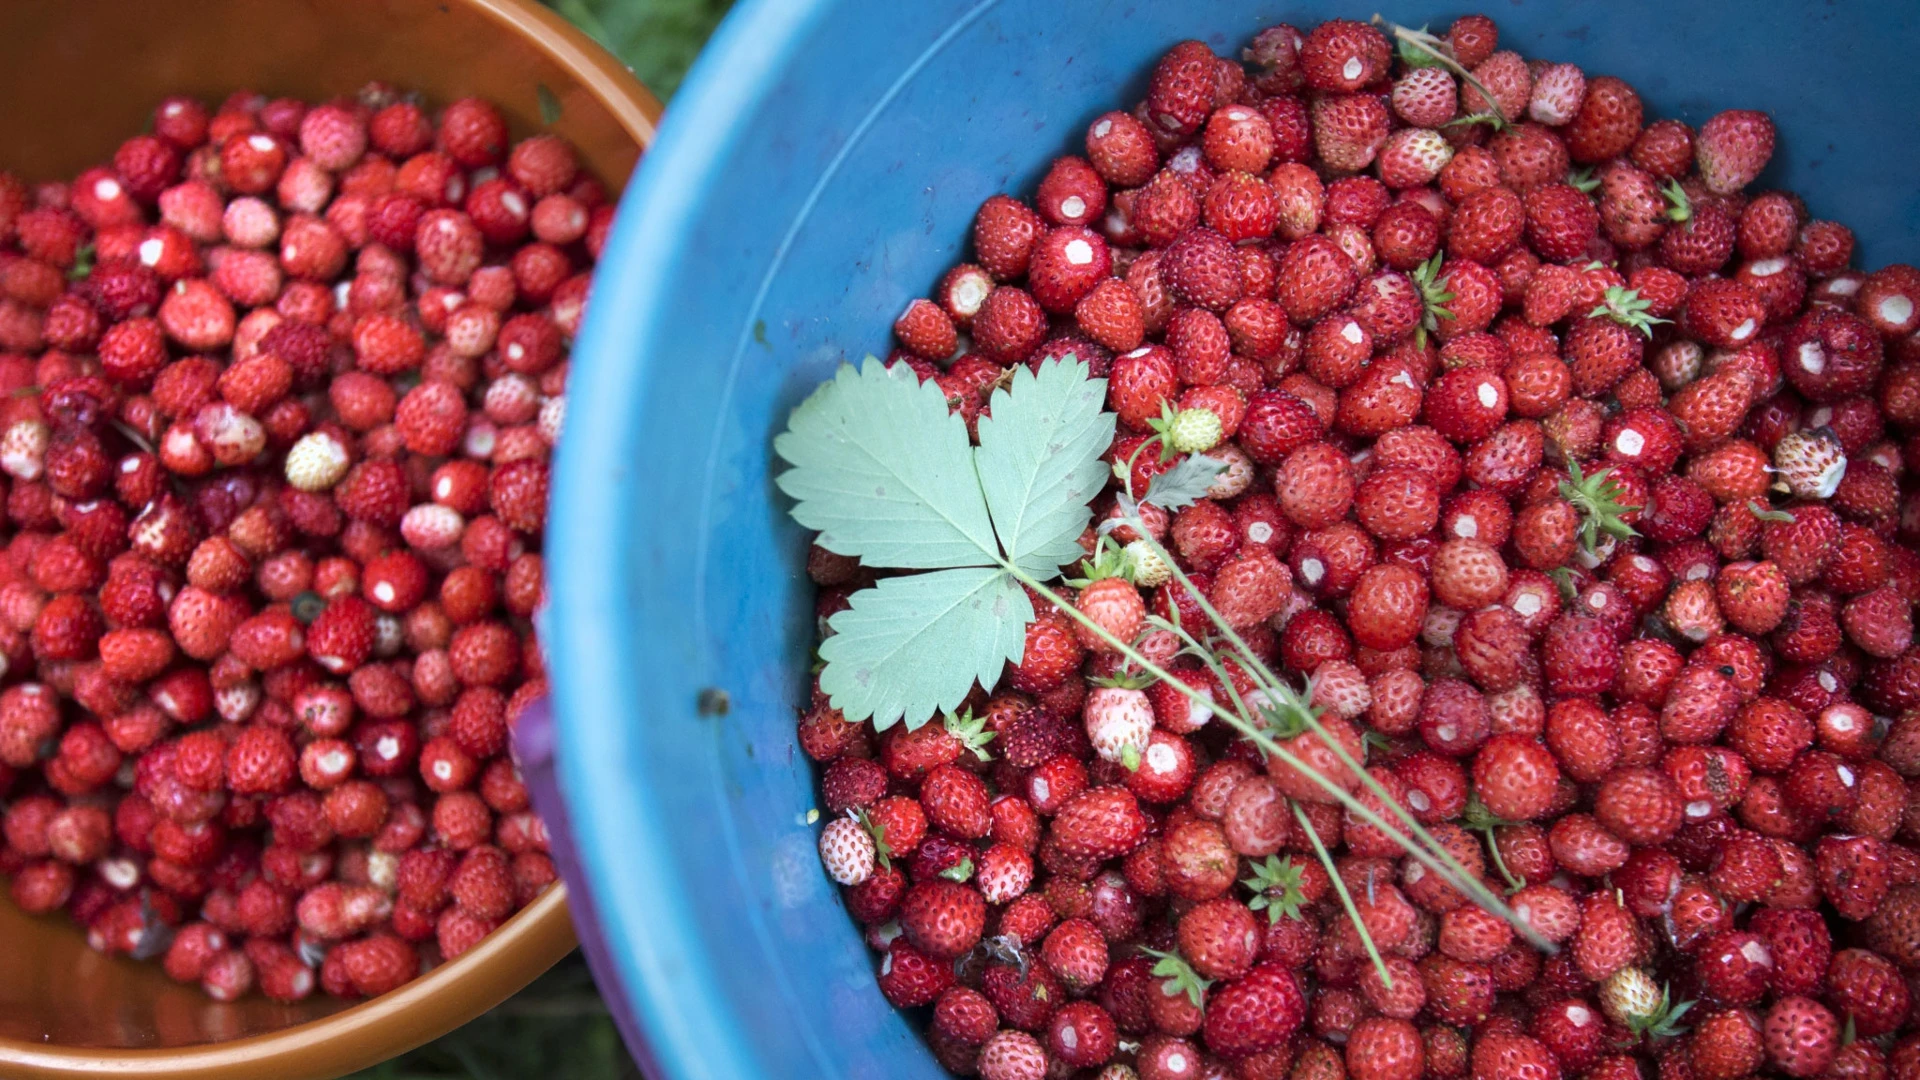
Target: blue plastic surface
{"points": [[819, 169]]}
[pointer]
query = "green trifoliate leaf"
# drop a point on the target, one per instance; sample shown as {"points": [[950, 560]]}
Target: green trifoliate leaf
{"points": [[883, 472], [912, 646], [1039, 462], [1184, 484]]}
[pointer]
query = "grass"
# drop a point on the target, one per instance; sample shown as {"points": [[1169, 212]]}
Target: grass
{"points": [[558, 1027]]}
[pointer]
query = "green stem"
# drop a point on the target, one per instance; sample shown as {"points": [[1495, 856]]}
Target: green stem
{"points": [[1346, 898], [1450, 870], [1431, 45], [1456, 873]]}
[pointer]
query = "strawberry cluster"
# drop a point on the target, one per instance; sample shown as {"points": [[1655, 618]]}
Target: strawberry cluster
{"points": [[281, 382], [1574, 479]]}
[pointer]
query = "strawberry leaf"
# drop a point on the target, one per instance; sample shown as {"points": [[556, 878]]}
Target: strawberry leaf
{"points": [[1184, 484], [914, 645], [1039, 462], [882, 471]]}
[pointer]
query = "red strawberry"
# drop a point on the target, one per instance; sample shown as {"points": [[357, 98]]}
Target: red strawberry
{"points": [[1561, 222], [1349, 130], [1722, 313], [1802, 1036], [1607, 124], [1004, 232], [1341, 56], [1486, 225], [1315, 277], [1099, 823], [1725, 1045], [1732, 148], [1869, 990], [1255, 1013], [1180, 96], [942, 919]]}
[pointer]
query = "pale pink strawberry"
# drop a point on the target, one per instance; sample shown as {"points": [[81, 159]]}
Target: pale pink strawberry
{"points": [[1119, 721], [1558, 91], [1811, 462], [1413, 156], [847, 851], [1426, 97], [1732, 148], [1349, 129]]}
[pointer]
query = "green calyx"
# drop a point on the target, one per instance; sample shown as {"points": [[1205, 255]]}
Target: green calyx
{"points": [[960, 871], [882, 852], [1664, 1021], [1109, 560], [1127, 678], [1679, 207], [1288, 712], [1415, 54], [1583, 180], [1628, 308], [1482, 820], [82, 267], [1275, 885], [972, 732], [1180, 977], [1434, 296], [1597, 497]]}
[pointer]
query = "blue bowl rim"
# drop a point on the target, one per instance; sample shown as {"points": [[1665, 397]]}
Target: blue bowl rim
{"points": [[593, 660]]}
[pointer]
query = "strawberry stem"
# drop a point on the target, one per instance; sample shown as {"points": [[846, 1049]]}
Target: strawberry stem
{"points": [[1428, 851], [1346, 898], [1443, 55]]}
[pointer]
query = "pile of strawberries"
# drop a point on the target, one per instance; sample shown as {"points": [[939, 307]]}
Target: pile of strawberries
{"points": [[280, 385], [1575, 478]]}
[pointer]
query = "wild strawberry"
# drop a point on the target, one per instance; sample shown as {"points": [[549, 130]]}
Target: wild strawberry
{"points": [[1607, 124], [1732, 148], [1315, 277], [1254, 1013], [941, 918], [1349, 130], [1801, 1036], [847, 851]]}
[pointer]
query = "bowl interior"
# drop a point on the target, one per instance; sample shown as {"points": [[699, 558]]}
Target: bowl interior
{"points": [[77, 77], [820, 170]]}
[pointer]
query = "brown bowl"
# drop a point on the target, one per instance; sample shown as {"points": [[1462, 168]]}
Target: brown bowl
{"points": [[76, 78]]}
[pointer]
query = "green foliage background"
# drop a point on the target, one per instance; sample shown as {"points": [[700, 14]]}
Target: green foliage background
{"points": [[559, 1027]]}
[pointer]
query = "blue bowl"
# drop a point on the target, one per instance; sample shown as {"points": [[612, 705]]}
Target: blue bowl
{"points": [[818, 170]]}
